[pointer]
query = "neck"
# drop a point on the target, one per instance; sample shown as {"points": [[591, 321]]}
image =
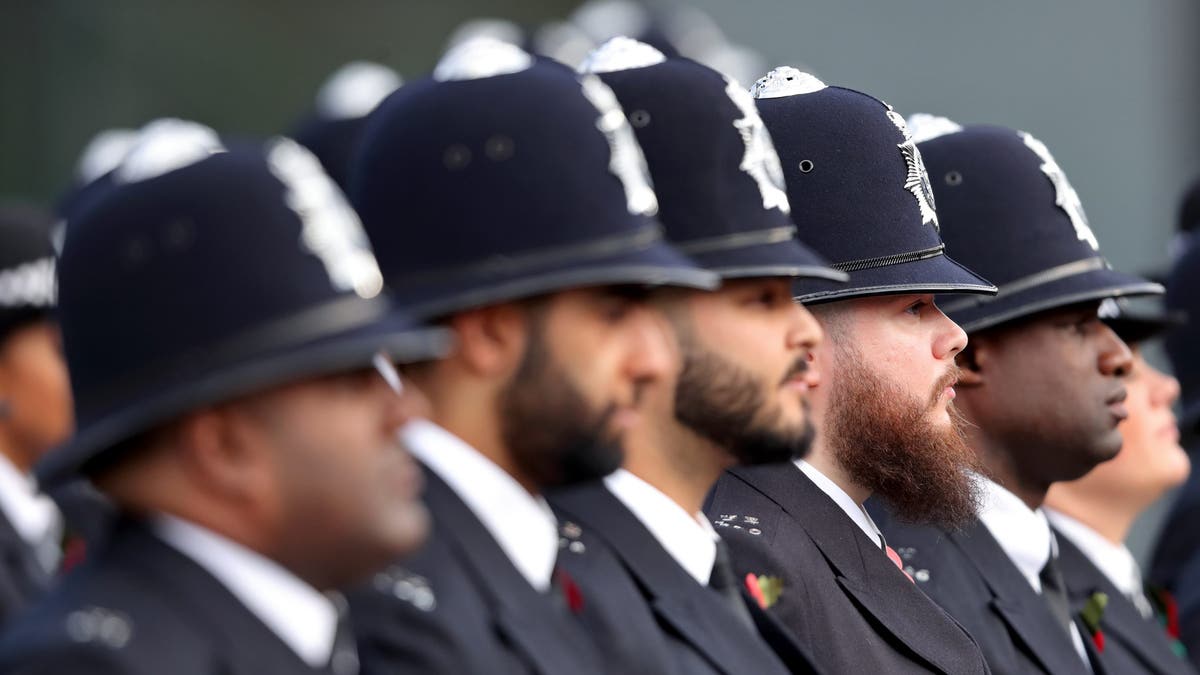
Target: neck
{"points": [[1109, 517], [676, 461], [822, 458], [19, 460], [469, 410], [485, 439], [1000, 467]]}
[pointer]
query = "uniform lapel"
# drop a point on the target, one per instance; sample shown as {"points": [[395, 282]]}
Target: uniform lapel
{"points": [[863, 570], [526, 618], [25, 577], [237, 636], [1017, 604], [691, 610], [781, 640], [1121, 621]]}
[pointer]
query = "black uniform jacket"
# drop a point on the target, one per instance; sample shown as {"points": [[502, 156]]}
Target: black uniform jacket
{"points": [[138, 606], [651, 614], [1132, 644], [460, 607], [848, 604], [1176, 563], [1178, 545], [971, 577], [22, 578]]}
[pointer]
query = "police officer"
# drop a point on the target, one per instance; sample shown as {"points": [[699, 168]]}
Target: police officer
{"points": [[508, 198], [334, 125], [221, 313], [1175, 568], [1040, 383], [740, 398], [861, 198], [35, 406], [1092, 515]]}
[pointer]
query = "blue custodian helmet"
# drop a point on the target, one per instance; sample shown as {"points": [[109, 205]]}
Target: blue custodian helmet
{"points": [[1008, 210], [859, 191], [504, 176]]}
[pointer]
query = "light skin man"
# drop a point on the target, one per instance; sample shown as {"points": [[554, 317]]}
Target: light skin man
{"points": [[801, 538]]}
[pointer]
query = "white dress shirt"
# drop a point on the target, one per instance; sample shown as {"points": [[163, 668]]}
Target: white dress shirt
{"points": [[1115, 561], [1025, 536], [32, 514], [523, 525], [304, 618], [688, 537], [839, 496]]}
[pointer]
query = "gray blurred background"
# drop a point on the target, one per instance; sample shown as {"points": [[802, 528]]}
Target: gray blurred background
{"points": [[1111, 86]]}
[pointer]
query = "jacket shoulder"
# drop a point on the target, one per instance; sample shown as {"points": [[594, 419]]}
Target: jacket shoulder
{"points": [[739, 511], [408, 616], [101, 620]]}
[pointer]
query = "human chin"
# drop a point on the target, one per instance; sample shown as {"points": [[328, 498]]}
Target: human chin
{"points": [[1111, 443], [791, 411], [760, 445], [940, 415]]}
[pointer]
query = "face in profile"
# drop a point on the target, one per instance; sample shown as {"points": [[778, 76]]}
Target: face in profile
{"points": [[35, 392], [1053, 392], [344, 494], [746, 372], [886, 406], [1151, 460], [589, 355]]}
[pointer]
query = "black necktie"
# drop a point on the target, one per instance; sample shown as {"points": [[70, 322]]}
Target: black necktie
{"points": [[723, 581], [1054, 591]]}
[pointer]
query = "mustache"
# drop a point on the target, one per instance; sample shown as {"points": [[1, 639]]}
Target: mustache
{"points": [[947, 380], [799, 367]]}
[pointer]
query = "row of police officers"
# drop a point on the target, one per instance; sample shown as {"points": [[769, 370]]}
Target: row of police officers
{"points": [[625, 370]]}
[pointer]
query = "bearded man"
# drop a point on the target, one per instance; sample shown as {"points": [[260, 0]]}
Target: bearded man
{"points": [[798, 531], [659, 590], [1042, 386], [500, 204]]}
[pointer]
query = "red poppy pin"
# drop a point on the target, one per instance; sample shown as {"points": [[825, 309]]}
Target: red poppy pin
{"points": [[1091, 614], [1167, 611], [765, 590], [571, 594], [74, 552]]}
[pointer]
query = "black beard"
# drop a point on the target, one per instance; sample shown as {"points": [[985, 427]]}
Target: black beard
{"points": [[723, 403], [885, 440], [555, 437]]}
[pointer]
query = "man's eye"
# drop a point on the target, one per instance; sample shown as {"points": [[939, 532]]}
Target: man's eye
{"points": [[768, 298], [617, 310], [916, 307]]}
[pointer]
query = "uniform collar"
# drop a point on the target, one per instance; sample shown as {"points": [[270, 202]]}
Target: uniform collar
{"points": [[523, 525], [687, 537], [844, 501], [304, 618], [1023, 533], [33, 515], [1025, 536], [1115, 561]]}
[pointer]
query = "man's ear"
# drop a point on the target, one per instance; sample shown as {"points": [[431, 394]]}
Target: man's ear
{"points": [[219, 450], [491, 340], [970, 363]]}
